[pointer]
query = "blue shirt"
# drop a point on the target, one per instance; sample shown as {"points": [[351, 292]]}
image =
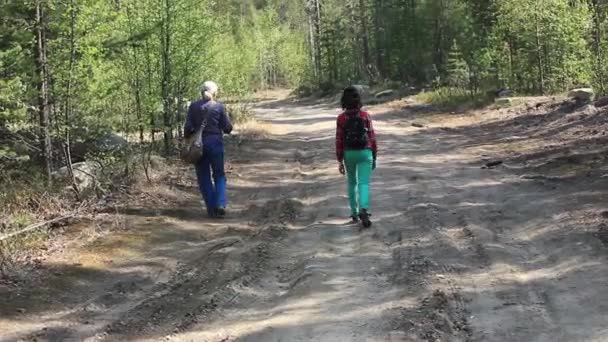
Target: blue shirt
{"points": [[218, 122]]}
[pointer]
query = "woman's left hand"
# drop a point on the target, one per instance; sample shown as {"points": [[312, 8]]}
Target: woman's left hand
{"points": [[341, 169]]}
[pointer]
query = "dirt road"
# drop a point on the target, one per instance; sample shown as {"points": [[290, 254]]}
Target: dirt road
{"points": [[457, 252]]}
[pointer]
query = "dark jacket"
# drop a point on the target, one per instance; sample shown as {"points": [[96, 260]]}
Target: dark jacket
{"points": [[218, 122]]}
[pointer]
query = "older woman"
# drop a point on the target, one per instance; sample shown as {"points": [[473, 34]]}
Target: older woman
{"points": [[217, 123]]}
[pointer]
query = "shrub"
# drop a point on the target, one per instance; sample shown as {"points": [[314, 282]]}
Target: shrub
{"points": [[453, 98]]}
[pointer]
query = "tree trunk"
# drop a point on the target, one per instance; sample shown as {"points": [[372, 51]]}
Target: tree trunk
{"points": [[380, 37], [166, 76], [597, 45], [539, 58], [68, 110], [43, 89], [366, 60], [150, 91], [439, 53], [313, 9], [512, 78], [333, 57], [313, 44], [138, 82], [316, 20]]}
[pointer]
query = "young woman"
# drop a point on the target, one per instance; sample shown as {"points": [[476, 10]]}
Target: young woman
{"points": [[217, 123], [356, 150]]}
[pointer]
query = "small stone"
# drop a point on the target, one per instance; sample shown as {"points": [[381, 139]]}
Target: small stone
{"points": [[504, 101], [493, 164], [385, 93], [601, 102]]}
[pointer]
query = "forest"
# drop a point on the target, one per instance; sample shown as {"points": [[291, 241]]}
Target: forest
{"points": [[76, 72], [487, 189]]}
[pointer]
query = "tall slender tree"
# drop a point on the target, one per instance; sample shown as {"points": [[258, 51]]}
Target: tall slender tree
{"points": [[44, 110]]}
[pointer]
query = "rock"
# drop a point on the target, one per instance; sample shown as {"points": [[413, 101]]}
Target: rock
{"points": [[504, 93], [110, 142], [303, 156], [418, 125], [601, 102], [385, 93], [157, 162], [85, 175], [602, 233], [541, 177], [504, 101], [492, 164], [582, 94], [499, 93], [364, 90], [107, 142]]}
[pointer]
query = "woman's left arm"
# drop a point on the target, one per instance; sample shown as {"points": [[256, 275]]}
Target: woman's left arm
{"points": [[372, 137], [225, 124]]}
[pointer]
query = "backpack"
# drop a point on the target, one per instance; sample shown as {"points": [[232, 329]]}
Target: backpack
{"points": [[355, 132], [192, 151]]}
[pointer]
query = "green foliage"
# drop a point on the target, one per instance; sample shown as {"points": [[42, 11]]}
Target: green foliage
{"points": [[451, 98], [130, 66], [457, 69], [542, 48], [22, 219], [531, 46], [239, 113]]}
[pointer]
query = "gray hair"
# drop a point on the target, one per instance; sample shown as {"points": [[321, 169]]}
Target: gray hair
{"points": [[209, 90]]}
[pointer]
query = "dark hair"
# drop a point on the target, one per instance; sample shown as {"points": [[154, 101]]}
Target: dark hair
{"points": [[351, 98]]}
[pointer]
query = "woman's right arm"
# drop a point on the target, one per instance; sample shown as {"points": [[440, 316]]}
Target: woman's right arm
{"points": [[340, 139]]}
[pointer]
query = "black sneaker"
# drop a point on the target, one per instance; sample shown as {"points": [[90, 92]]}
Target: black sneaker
{"points": [[220, 212], [364, 216], [211, 213], [354, 219]]}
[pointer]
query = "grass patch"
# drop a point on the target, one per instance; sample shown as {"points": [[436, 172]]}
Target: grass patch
{"points": [[25, 200], [246, 124], [15, 250], [239, 112], [454, 98], [254, 129]]}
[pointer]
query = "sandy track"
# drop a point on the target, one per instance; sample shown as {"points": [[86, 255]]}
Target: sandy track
{"points": [[457, 252]]}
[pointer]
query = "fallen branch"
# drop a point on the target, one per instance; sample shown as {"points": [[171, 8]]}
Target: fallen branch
{"points": [[36, 226]]}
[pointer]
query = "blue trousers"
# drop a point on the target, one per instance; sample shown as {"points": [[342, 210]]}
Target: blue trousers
{"points": [[212, 165]]}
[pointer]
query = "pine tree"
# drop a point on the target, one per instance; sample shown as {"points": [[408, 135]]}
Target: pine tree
{"points": [[458, 70]]}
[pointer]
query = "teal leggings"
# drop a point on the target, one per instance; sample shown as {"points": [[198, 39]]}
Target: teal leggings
{"points": [[359, 170]]}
